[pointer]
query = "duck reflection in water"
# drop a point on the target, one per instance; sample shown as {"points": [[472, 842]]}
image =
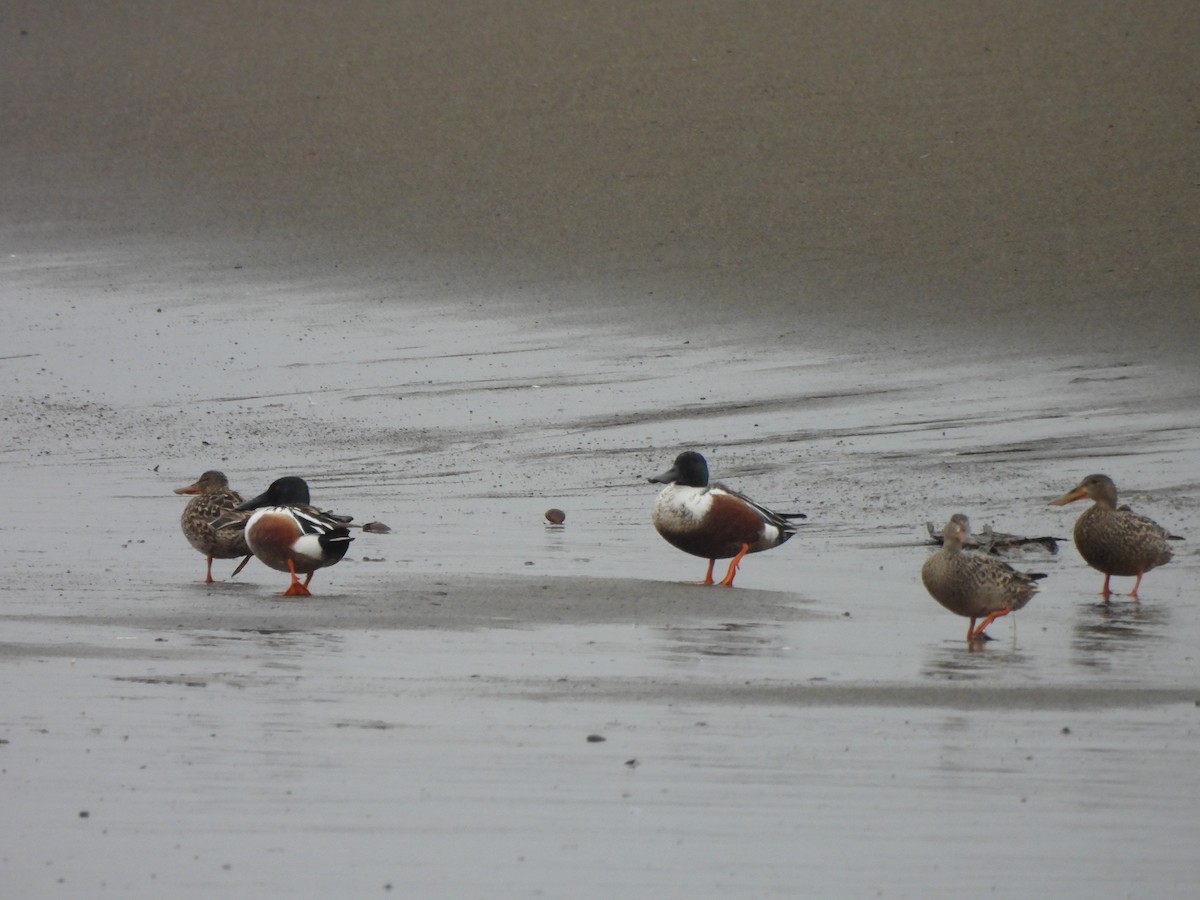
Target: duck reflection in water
{"points": [[1104, 630]]}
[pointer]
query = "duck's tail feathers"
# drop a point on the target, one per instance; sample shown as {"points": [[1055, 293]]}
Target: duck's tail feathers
{"points": [[335, 543]]}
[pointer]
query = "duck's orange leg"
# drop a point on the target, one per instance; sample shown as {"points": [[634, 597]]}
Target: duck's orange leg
{"points": [[992, 617], [208, 579], [707, 575], [242, 565], [1137, 584], [1104, 591], [971, 629], [296, 589], [727, 581]]}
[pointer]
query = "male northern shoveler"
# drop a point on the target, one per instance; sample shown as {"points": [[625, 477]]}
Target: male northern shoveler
{"points": [[213, 499], [713, 521], [1115, 540], [972, 585], [289, 534]]}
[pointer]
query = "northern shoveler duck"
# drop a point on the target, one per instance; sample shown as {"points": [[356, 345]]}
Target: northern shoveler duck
{"points": [[713, 521], [973, 585], [213, 499], [289, 534], [1115, 540]]}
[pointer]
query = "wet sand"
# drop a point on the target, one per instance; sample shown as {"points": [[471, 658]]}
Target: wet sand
{"points": [[477, 704], [822, 723]]}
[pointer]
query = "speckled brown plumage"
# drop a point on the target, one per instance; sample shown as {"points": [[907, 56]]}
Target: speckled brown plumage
{"points": [[1115, 540], [213, 499], [972, 585]]}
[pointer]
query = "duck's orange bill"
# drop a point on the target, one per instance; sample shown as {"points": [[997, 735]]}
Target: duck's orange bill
{"points": [[1070, 497]]}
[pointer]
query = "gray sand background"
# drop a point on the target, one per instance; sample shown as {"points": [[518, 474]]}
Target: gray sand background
{"points": [[455, 265]]}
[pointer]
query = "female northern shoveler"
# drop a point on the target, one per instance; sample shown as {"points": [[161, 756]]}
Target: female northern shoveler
{"points": [[972, 585], [1112, 540], [290, 535], [213, 499], [713, 521]]}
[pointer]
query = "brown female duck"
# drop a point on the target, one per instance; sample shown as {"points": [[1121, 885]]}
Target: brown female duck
{"points": [[1115, 540], [972, 585], [213, 499]]}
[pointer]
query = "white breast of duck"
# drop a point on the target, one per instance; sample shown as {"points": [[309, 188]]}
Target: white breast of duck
{"points": [[682, 508]]}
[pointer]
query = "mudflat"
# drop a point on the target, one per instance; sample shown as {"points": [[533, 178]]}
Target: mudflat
{"points": [[454, 268]]}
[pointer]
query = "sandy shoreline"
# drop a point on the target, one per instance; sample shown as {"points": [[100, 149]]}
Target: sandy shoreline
{"points": [[220, 739], [436, 696]]}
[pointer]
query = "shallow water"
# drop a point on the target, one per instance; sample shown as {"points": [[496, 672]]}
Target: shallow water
{"points": [[823, 723]]}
